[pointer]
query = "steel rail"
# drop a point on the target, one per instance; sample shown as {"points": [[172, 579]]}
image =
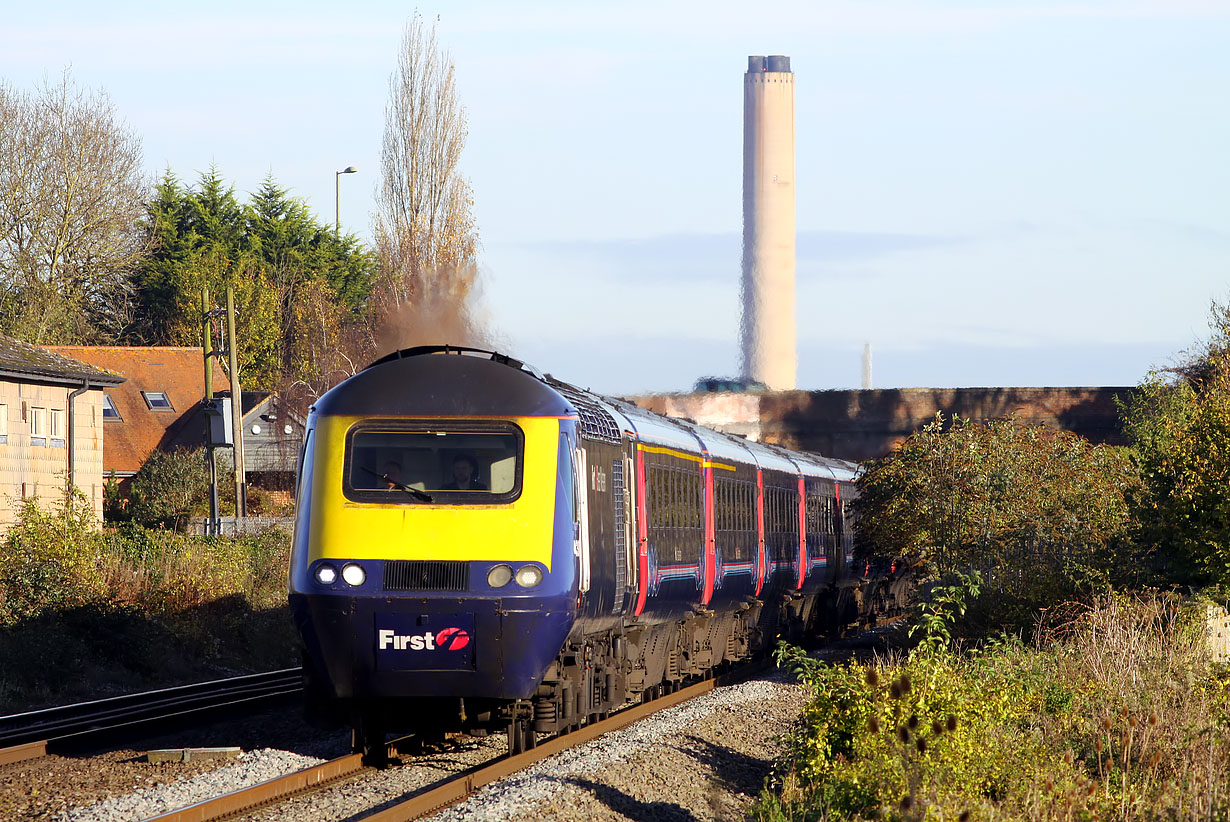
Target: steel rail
{"points": [[263, 793], [20, 734], [452, 790]]}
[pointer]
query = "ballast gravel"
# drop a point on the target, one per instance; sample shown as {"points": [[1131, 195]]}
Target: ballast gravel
{"points": [[251, 768], [704, 760]]}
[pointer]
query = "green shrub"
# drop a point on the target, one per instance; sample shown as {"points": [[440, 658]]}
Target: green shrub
{"points": [[1180, 434], [47, 559], [169, 487], [1042, 514], [129, 608]]}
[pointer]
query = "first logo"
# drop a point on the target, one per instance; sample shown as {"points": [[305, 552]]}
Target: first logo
{"points": [[452, 639]]}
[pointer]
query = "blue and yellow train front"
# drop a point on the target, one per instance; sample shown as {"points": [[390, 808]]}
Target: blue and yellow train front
{"points": [[434, 552]]}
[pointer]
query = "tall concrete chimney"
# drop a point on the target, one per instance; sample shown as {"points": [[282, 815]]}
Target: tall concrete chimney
{"points": [[768, 325]]}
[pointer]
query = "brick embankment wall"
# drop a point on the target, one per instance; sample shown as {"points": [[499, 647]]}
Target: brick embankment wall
{"points": [[860, 425]]}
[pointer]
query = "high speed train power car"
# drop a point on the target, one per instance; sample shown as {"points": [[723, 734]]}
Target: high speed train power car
{"points": [[481, 548]]}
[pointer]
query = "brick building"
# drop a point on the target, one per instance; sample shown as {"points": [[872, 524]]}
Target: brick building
{"points": [[51, 426]]}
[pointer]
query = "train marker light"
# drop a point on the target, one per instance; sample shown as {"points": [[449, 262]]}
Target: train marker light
{"points": [[326, 574], [353, 574], [528, 576], [499, 576]]}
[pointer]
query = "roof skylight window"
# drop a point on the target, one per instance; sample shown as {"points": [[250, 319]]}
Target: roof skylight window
{"points": [[157, 401], [109, 411]]}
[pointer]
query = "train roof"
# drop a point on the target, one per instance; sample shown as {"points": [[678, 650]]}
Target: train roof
{"points": [[444, 380], [462, 381]]}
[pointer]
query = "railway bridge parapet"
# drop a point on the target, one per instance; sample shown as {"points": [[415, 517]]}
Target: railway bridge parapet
{"points": [[865, 424]]}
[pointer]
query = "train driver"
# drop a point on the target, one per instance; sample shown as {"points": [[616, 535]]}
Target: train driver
{"points": [[465, 475], [391, 474]]}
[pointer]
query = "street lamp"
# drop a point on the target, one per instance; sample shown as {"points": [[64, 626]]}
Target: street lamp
{"points": [[337, 199]]}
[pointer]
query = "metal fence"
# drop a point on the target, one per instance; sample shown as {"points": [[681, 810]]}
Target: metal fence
{"points": [[1017, 566], [235, 526]]}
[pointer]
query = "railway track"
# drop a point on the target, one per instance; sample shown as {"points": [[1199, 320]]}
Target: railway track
{"points": [[451, 790], [31, 734]]}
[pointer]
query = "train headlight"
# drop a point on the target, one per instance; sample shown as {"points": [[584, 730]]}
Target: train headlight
{"points": [[326, 574], [499, 576], [528, 576], [353, 574]]}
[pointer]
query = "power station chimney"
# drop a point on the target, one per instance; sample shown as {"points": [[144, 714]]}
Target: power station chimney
{"points": [[867, 367], [768, 325]]}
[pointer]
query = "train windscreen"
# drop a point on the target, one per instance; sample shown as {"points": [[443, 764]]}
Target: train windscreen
{"points": [[446, 463]]}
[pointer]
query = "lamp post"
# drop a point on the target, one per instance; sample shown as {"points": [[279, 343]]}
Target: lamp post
{"points": [[337, 198]]}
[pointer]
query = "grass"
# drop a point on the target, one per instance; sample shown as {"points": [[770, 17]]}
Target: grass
{"points": [[1115, 711]]}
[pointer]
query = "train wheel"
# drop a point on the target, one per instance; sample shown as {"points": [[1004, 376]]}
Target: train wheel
{"points": [[521, 736], [367, 738], [516, 737]]}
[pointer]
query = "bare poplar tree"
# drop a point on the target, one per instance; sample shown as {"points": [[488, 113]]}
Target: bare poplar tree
{"points": [[425, 231], [71, 195]]}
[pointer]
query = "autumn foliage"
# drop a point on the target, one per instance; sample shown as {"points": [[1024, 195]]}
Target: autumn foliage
{"points": [[1039, 512], [1179, 424]]}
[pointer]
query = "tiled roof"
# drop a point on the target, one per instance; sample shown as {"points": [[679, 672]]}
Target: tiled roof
{"points": [[35, 362], [179, 372]]}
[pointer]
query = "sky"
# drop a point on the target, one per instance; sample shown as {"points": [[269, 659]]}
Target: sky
{"points": [[989, 193]]}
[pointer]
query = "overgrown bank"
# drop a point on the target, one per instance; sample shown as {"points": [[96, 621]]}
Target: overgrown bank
{"points": [[1052, 680], [1116, 711], [86, 611]]}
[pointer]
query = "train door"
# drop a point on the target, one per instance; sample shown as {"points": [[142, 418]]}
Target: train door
{"points": [[623, 503]]}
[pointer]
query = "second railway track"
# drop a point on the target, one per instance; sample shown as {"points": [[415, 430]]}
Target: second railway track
{"points": [[30, 734]]}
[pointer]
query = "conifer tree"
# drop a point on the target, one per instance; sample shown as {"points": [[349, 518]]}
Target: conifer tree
{"points": [[274, 255]]}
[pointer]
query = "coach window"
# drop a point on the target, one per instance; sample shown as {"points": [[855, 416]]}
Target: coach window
{"points": [[568, 476], [303, 483]]}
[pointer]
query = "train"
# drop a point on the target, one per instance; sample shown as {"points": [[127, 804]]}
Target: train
{"points": [[481, 548]]}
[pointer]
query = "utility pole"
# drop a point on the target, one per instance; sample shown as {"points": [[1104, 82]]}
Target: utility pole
{"points": [[208, 350], [241, 480]]}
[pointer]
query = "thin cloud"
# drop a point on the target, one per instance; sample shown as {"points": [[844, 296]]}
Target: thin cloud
{"points": [[713, 257], [728, 19]]}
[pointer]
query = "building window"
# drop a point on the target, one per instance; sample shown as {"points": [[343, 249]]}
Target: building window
{"points": [[38, 427], [110, 412], [55, 427], [4, 423], [157, 401]]}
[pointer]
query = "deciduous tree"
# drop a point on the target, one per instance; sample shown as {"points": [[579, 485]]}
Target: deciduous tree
{"points": [[1179, 425], [425, 230], [71, 194], [1036, 510]]}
